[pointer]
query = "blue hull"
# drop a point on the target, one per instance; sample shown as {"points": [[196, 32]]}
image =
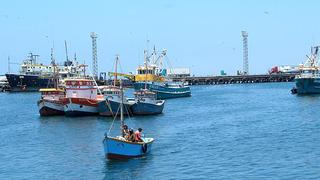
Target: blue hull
{"points": [[141, 108], [118, 149], [308, 85], [164, 92], [78, 113], [111, 108]]}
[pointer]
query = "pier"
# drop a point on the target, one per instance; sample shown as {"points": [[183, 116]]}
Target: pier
{"points": [[240, 79]]}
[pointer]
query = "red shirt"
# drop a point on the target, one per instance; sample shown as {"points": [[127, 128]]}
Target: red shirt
{"points": [[137, 136]]}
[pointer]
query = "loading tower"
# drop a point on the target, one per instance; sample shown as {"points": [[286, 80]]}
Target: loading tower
{"points": [[245, 53], [94, 37]]}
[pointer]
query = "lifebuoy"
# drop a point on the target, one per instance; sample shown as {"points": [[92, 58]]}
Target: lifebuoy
{"points": [[144, 148]]}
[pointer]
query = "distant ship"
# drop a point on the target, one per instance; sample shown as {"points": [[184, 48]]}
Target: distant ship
{"points": [[34, 76], [308, 80], [153, 77]]}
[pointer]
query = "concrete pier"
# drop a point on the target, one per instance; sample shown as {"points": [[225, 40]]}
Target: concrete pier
{"points": [[215, 80]]}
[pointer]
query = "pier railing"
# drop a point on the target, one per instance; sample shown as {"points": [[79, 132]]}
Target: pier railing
{"points": [[215, 80]]}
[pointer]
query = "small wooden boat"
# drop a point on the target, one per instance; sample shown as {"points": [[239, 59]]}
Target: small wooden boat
{"points": [[120, 148], [147, 103]]}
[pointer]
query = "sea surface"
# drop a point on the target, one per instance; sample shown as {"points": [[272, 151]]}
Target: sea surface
{"points": [[251, 131]]}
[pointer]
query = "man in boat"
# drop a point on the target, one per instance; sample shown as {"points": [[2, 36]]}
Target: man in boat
{"points": [[138, 135], [125, 130], [131, 136]]}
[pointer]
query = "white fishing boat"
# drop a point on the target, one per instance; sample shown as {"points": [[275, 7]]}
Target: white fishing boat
{"points": [[52, 100], [81, 97]]}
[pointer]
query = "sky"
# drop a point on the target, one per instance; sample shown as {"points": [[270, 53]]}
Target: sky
{"points": [[202, 35]]}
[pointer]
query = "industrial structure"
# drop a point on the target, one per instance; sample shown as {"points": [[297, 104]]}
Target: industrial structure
{"points": [[239, 79], [245, 53], [94, 36]]}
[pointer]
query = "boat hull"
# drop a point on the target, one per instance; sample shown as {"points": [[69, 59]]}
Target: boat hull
{"points": [[164, 92], [308, 85], [81, 107], [110, 108], [141, 108], [115, 148], [50, 108], [20, 82]]}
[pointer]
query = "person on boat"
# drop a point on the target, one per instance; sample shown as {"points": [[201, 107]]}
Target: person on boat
{"points": [[131, 136], [125, 130], [138, 135]]}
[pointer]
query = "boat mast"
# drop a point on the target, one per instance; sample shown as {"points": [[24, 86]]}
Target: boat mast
{"points": [[146, 68], [55, 74], [121, 109]]}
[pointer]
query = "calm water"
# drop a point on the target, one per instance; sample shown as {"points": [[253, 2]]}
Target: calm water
{"points": [[222, 132]]}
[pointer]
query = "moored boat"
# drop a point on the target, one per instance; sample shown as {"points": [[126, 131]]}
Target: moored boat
{"points": [[81, 97], [119, 147], [165, 90], [112, 99], [146, 103], [51, 102], [308, 80], [153, 77]]}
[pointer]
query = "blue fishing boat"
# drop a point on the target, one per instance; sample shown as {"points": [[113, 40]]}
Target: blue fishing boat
{"points": [[308, 81], [146, 103], [119, 147], [113, 97], [165, 90], [111, 103], [153, 77]]}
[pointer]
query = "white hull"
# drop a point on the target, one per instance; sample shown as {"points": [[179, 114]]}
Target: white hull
{"points": [[73, 109]]}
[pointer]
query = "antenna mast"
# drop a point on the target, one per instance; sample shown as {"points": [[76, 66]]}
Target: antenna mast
{"points": [[121, 108]]}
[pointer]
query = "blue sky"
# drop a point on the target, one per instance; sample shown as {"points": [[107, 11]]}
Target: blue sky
{"points": [[202, 35]]}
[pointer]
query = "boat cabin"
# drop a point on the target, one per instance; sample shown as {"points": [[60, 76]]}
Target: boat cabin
{"points": [[52, 94], [143, 94], [149, 73], [81, 88]]}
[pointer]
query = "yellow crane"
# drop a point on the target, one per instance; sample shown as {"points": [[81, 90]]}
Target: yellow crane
{"points": [[128, 76]]}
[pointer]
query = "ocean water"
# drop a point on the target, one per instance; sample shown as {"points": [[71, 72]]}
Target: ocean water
{"points": [[252, 131]]}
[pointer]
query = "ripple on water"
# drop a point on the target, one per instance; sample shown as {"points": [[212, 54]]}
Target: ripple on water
{"points": [[253, 131]]}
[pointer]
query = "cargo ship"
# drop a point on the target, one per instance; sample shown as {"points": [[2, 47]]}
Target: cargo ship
{"points": [[34, 76], [308, 80]]}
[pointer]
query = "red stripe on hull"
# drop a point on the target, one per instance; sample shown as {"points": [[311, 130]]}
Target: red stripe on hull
{"points": [[83, 101]]}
